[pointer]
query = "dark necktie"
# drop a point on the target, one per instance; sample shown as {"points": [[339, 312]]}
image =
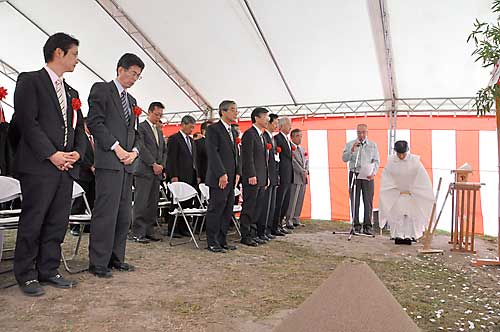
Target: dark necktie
{"points": [[188, 142], [126, 111]]}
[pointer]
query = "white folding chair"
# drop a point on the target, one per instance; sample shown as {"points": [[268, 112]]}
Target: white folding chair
{"points": [[77, 219], [10, 189], [163, 203], [182, 192], [205, 195]]}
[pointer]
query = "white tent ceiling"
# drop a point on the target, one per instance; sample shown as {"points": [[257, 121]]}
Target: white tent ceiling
{"points": [[328, 50]]}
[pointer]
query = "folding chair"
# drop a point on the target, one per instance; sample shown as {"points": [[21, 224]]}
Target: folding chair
{"points": [[182, 192], [163, 203], [81, 220], [205, 194], [10, 189]]}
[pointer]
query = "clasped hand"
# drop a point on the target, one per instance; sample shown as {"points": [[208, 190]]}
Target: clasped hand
{"points": [[125, 157], [64, 160]]}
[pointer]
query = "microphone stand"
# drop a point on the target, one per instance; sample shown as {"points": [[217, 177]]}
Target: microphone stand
{"points": [[352, 194]]}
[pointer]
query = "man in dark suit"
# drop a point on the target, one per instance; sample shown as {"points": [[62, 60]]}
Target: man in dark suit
{"points": [[221, 176], [270, 194], [201, 151], [181, 166], [49, 125], [112, 120], [285, 175], [148, 174], [86, 180], [254, 177]]}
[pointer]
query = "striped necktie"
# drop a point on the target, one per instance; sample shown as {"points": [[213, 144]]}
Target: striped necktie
{"points": [[62, 104], [126, 111]]}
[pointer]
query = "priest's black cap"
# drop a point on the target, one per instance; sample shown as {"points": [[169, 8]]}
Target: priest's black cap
{"points": [[401, 146]]}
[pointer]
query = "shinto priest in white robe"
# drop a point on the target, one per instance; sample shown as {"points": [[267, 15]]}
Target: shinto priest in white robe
{"points": [[406, 197]]}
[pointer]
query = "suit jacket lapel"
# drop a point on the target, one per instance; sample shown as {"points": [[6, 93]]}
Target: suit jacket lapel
{"points": [[184, 144], [47, 83], [116, 99]]}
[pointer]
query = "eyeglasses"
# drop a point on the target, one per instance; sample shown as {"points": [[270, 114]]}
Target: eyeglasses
{"points": [[135, 74]]}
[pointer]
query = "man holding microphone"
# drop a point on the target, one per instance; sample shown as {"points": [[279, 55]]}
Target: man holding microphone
{"points": [[361, 154]]}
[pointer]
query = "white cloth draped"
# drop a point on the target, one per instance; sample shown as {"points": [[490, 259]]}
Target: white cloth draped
{"points": [[406, 197]]}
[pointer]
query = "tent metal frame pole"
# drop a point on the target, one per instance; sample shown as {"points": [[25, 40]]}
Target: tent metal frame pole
{"points": [[48, 34], [440, 106], [271, 54], [155, 54], [393, 111]]}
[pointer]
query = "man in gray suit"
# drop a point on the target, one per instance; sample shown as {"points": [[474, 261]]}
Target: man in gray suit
{"points": [[300, 167], [148, 174], [112, 120]]}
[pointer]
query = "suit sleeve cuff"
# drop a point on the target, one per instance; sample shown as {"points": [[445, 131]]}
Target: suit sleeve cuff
{"points": [[113, 147]]}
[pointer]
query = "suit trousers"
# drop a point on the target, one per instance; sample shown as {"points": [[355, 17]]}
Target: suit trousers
{"points": [[297, 193], [111, 216], [282, 202], [366, 188], [267, 213], [253, 203], [146, 196], [42, 225], [219, 214]]}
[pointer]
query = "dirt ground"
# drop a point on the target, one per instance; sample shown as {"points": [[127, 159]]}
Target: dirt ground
{"points": [[253, 289]]}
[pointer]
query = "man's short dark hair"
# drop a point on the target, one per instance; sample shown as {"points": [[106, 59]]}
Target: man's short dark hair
{"points": [[58, 40], [187, 119], [295, 132], [205, 125], [128, 60], [272, 117], [155, 104], [224, 106], [257, 112]]}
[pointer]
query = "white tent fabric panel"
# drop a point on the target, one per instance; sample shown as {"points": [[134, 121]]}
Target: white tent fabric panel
{"points": [[431, 54], [214, 44], [325, 47], [102, 42]]}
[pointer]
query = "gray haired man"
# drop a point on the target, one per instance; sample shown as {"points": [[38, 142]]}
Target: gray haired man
{"points": [[361, 154]]}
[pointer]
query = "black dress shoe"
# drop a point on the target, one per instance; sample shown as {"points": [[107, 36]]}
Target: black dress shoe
{"points": [[139, 239], [264, 238], [32, 288], [290, 227], [75, 232], [259, 240], [153, 238], [216, 248], [58, 281], [270, 236], [284, 231], [249, 242], [229, 247], [278, 233], [367, 231], [123, 267], [100, 271]]}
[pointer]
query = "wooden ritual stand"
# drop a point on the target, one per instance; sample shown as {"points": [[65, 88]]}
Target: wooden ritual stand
{"points": [[463, 221]]}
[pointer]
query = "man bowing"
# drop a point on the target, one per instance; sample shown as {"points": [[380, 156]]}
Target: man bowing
{"points": [[112, 121], [48, 124]]}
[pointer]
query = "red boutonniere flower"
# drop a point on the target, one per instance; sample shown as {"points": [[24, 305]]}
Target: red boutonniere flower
{"points": [[137, 111], [3, 92], [278, 149], [306, 154], [294, 148], [269, 146], [76, 104], [238, 140]]}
